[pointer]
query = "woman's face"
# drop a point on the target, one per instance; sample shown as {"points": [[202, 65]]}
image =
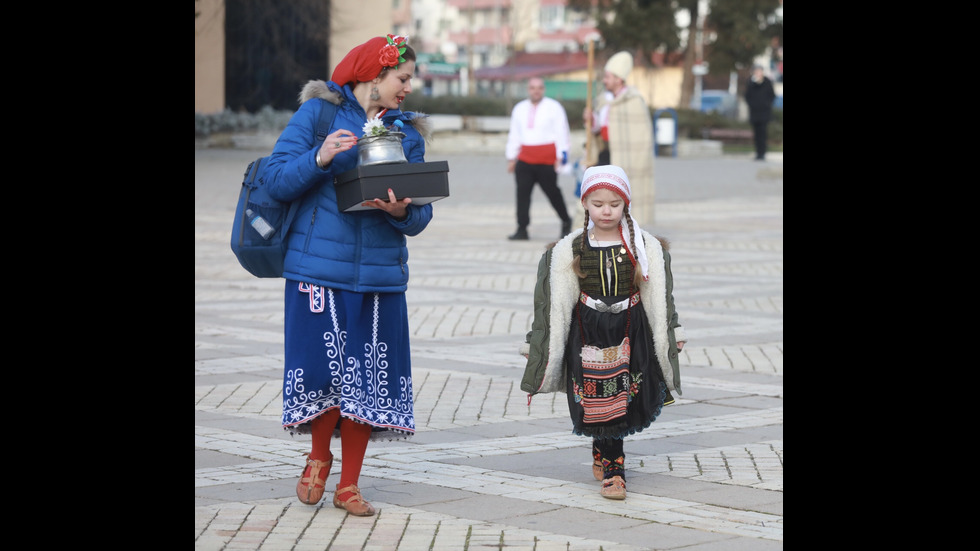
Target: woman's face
{"points": [[395, 85], [605, 208]]}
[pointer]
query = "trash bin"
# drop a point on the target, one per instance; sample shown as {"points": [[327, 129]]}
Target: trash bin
{"points": [[665, 131]]}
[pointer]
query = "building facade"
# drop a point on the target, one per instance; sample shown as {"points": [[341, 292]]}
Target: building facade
{"points": [[465, 47]]}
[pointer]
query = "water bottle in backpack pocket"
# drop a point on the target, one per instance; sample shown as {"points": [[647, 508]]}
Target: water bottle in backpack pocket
{"points": [[259, 224]]}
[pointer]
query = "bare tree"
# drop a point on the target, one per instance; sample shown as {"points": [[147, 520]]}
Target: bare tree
{"points": [[735, 31], [640, 26], [272, 49], [738, 31]]}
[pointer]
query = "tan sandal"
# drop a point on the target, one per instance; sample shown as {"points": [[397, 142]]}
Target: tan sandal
{"points": [[613, 488], [310, 488], [355, 504], [597, 469]]}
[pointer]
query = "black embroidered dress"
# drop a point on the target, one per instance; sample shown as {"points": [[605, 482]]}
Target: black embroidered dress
{"points": [[619, 389]]}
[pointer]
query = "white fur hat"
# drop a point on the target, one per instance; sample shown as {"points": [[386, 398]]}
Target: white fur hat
{"points": [[620, 64]]}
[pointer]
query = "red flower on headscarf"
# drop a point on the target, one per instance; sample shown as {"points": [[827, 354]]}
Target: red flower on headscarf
{"points": [[391, 53]]}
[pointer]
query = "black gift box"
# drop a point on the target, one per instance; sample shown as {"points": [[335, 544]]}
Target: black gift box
{"points": [[423, 182]]}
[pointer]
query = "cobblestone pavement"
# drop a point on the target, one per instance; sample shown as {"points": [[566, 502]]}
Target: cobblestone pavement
{"points": [[487, 469]]}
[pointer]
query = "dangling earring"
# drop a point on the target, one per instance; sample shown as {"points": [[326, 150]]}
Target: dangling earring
{"points": [[375, 95]]}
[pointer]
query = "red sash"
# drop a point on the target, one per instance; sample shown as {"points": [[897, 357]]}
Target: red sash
{"points": [[538, 154]]}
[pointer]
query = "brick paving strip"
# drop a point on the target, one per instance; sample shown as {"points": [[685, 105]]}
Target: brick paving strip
{"points": [[469, 305]]}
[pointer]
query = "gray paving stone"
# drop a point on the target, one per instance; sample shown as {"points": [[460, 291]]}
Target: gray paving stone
{"points": [[486, 469]]}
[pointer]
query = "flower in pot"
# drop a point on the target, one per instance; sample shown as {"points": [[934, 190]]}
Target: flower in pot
{"points": [[375, 127], [381, 144]]}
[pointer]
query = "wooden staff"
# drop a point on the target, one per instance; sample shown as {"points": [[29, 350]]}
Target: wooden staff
{"points": [[588, 106]]}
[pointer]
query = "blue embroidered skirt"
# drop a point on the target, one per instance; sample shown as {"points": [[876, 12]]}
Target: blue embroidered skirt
{"points": [[349, 351]]}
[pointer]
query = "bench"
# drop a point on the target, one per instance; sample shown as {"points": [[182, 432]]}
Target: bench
{"points": [[728, 134]]}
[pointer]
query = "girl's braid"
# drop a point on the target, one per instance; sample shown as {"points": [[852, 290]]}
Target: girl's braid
{"points": [[637, 273], [629, 226], [585, 229], [577, 261]]}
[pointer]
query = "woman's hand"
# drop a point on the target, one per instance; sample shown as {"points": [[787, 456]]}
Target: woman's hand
{"points": [[341, 140], [394, 207], [680, 345]]}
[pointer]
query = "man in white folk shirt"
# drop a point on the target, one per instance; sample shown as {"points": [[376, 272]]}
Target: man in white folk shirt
{"points": [[537, 147]]}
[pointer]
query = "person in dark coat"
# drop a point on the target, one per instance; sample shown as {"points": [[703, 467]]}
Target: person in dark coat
{"points": [[759, 95]]}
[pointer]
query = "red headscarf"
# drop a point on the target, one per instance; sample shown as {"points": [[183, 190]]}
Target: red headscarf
{"points": [[365, 62]]}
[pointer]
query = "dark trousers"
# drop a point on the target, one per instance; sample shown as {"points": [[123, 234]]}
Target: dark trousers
{"points": [[526, 176], [760, 133], [603, 158]]}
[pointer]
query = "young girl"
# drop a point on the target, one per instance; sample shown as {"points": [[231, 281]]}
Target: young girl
{"points": [[605, 331]]}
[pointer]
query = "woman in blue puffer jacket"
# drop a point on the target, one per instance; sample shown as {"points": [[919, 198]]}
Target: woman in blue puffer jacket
{"points": [[348, 369]]}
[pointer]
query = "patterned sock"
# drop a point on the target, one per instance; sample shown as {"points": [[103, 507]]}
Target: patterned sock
{"points": [[614, 468], [613, 458]]}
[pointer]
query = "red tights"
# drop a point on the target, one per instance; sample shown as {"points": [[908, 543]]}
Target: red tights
{"points": [[354, 439]]}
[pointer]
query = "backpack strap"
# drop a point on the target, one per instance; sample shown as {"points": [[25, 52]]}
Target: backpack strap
{"points": [[328, 110], [327, 113]]}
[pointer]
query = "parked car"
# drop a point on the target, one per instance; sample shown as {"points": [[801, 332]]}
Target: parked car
{"points": [[719, 101]]}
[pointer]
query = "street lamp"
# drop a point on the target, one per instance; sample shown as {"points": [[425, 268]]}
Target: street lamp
{"points": [[699, 69]]}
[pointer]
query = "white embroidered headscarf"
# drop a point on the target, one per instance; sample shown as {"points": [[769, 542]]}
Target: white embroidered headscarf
{"points": [[614, 178]]}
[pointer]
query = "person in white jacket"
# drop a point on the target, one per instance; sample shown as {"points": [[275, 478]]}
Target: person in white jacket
{"points": [[537, 147]]}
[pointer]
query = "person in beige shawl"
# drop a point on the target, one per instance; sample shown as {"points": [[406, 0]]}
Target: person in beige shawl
{"points": [[622, 133]]}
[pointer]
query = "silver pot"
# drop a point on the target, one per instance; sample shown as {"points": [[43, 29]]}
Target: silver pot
{"points": [[381, 150]]}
